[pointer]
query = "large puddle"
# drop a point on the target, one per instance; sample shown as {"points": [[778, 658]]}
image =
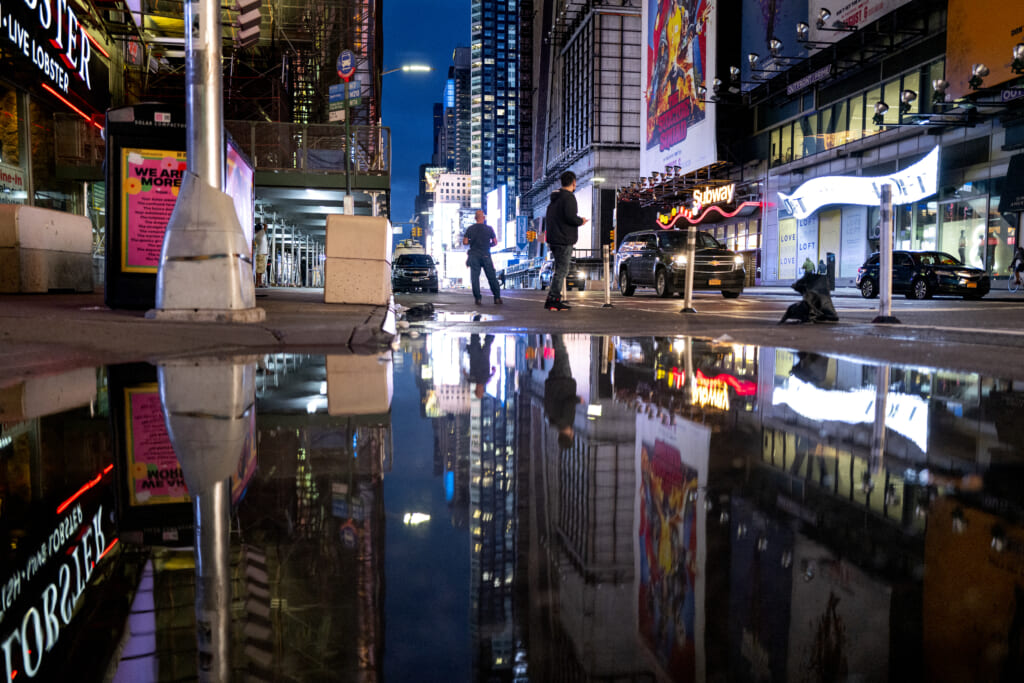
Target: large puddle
{"points": [[514, 508]]}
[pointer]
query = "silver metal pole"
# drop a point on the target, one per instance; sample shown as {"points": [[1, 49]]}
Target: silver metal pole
{"points": [[204, 131], [691, 251], [212, 508], [605, 256], [878, 430], [885, 258]]}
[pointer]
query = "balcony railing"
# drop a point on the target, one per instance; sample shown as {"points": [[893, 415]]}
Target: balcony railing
{"points": [[314, 147]]}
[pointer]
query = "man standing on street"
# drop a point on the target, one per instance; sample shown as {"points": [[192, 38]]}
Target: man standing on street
{"points": [[480, 237], [262, 249], [561, 224]]}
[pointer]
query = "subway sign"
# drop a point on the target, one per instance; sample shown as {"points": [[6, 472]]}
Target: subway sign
{"points": [[48, 35]]}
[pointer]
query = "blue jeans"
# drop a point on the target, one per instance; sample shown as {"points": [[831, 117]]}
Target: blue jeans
{"points": [[560, 254], [476, 262]]}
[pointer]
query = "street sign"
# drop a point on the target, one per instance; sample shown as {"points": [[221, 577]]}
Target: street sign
{"points": [[337, 92], [346, 65], [336, 116]]}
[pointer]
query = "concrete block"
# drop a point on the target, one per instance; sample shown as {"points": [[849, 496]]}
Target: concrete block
{"points": [[41, 396], [43, 249], [359, 384], [357, 281], [359, 237]]}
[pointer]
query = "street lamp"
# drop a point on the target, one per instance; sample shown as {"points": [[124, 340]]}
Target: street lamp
{"points": [[417, 68]]}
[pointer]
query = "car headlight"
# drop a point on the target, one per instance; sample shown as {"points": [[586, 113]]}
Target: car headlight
{"points": [[679, 260], [738, 260], [580, 274]]}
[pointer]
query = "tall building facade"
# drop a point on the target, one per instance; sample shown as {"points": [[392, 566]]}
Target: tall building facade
{"points": [[455, 131], [494, 97]]}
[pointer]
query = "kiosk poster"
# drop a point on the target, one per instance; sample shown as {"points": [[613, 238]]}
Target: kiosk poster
{"points": [[669, 543], [155, 476], [150, 182]]}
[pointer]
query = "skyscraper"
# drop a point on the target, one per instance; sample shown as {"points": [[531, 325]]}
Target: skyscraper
{"points": [[494, 97], [454, 133]]}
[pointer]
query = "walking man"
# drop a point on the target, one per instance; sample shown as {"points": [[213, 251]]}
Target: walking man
{"points": [[480, 237], [262, 249], [561, 223]]}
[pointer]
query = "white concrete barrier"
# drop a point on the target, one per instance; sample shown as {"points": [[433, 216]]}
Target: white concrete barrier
{"points": [[359, 384], [357, 269], [43, 250], [48, 395]]}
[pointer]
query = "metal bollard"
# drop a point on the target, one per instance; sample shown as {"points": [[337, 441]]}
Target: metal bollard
{"points": [[605, 256], [885, 259]]}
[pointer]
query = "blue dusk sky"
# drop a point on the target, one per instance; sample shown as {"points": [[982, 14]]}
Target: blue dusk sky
{"points": [[416, 33]]}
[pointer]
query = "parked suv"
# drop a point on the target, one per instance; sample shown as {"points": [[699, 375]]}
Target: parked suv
{"points": [[657, 258], [920, 274], [413, 271]]}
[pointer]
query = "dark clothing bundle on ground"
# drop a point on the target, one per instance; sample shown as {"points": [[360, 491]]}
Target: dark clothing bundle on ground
{"points": [[561, 222], [816, 306]]}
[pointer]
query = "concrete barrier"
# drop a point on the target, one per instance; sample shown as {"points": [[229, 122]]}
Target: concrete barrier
{"points": [[357, 269], [43, 250], [359, 384], [47, 395]]}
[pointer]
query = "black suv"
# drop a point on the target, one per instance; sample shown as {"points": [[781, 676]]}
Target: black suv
{"points": [[413, 271], [920, 274], [657, 258]]}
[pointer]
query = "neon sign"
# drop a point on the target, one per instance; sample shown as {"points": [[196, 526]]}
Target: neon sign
{"points": [[704, 201]]}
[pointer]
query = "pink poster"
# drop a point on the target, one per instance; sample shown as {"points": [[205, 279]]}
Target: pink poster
{"points": [[149, 186], [154, 473]]}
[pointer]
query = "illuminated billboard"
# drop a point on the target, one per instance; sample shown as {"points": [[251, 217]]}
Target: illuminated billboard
{"points": [[678, 61], [670, 543], [496, 214], [853, 14], [986, 32]]}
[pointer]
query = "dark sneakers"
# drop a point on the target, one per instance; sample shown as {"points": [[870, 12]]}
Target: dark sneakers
{"points": [[478, 301], [556, 304], [498, 300]]}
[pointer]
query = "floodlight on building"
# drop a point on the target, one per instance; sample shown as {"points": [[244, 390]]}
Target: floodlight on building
{"points": [[753, 58], [906, 98], [1018, 59], [775, 47], [978, 73], [939, 87], [881, 108]]}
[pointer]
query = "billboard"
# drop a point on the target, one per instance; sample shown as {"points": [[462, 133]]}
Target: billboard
{"points": [[670, 543], [762, 21], [678, 60], [496, 217], [986, 33], [855, 14], [239, 179]]}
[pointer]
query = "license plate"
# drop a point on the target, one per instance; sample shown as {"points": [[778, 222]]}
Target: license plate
{"points": [[714, 282], [416, 279], [972, 285]]}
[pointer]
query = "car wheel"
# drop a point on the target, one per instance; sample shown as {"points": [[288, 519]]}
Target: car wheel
{"points": [[919, 289], [661, 283], [868, 289], [626, 287], [731, 295], [433, 290]]}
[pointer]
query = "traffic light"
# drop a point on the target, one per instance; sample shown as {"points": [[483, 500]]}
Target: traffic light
{"points": [[531, 235]]}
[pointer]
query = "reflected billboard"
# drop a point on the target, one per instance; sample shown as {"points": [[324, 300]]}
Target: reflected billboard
{"points": [[677, 62]]}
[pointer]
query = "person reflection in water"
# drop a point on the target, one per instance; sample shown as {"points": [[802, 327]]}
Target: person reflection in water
{"points": [[560, 397], [480, 370]]}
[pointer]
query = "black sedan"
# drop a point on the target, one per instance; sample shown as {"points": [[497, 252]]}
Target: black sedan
{"points": [[920, 274], [414, 271], [574, 278]]}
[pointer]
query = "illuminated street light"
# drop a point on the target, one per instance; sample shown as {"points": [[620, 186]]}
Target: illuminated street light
{"points": [[415, 68]]}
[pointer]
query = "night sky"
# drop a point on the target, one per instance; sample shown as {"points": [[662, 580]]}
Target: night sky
{"points": [[416, 33]]}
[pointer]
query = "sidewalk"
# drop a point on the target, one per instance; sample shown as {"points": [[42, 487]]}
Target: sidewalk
{"points": [[50, 332]]}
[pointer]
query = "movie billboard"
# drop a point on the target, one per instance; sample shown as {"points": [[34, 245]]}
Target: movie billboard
{"points": [[670, 543], [986, 33], [850, 15], [764, 20], [678, 64]]}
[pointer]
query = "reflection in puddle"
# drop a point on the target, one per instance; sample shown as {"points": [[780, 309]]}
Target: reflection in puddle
{"points": [[514, 507]]}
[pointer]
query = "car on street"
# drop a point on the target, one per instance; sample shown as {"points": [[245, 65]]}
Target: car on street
{"points": [[921, 274], [574, 279], [413, 271], [657, 259]]}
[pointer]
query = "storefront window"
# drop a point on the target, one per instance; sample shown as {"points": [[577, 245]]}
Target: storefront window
{"points": [[964, 226], [912, 82], [857, 117], [1005, 234], [787, 144], [776, 145], [925, 231], [50, 192]]}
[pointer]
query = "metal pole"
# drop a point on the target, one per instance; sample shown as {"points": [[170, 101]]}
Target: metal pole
{"points": [[212, 509], [878, 431], [349, 201], [605, 255], [885, 259], [691, 251], [204, 131]]}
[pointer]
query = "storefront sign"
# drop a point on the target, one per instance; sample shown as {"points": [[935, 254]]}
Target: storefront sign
{"points": [[12, 185], [48, 34], [49, 586], [909, 185], [810, 79]]}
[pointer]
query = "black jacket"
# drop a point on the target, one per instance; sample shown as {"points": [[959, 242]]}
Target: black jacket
{"points": [[561, 221]]}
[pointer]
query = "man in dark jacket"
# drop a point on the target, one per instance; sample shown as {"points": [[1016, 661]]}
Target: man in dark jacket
{"points": [[560, 399], [480, 237], [561, 223]]}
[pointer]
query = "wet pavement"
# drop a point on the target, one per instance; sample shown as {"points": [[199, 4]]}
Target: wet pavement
{"points": [[514, 507]]}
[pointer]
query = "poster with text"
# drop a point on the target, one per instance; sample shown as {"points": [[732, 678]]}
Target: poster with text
{"points": [[787, 249], [154, 475], [853, 14], [807, 242], [670, 543], [149, 187], [678, 62]]}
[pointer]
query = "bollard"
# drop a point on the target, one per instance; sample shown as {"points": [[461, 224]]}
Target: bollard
{"points": [[605, 256], [691, 251], [885, 315]]}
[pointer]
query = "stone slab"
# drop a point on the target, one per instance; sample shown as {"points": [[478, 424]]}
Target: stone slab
{"points": [[359, 384], [358, 237], [357, 281]]}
